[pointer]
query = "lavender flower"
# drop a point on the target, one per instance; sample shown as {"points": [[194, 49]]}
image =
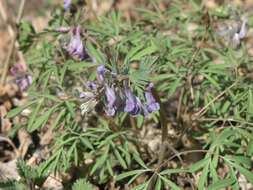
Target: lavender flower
{"points": [[92, 86], [152, 105], [66, 4], [75, 46], [243, 30], [100, 74], [110, 95], [23, 80], [133, 104]]}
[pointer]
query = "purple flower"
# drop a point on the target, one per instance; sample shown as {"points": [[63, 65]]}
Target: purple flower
{"points": [[243, 30], [22, 79], [110, 95], [101, 70], [13, 71], [66, 4], [133, 104], [92, 86], [75, 46], [114, 103], [152, 105]]}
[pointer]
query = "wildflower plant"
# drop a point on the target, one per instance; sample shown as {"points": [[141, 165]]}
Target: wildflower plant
{"points": [[125, 74]]}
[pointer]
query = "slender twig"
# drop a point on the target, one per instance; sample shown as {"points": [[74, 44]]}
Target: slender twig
{"points": [[203, 110], [164, 140], [180, 100], [190, 67], [225, 120], [7, 63]]}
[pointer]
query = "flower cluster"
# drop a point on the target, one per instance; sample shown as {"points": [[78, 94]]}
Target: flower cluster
{"points": [[234, 33], [22, 79], [75, 46], [117, 99]]}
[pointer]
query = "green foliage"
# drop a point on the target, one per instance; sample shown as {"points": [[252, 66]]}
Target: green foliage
{"points": [[215, 82], [82, 184], [30, 177]]}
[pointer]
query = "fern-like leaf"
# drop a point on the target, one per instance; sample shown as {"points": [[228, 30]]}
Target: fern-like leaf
{"points": [[12, 185], [82, 184]]}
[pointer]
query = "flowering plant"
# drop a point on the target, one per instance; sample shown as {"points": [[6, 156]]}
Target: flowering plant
{"points": [[104, 85]]}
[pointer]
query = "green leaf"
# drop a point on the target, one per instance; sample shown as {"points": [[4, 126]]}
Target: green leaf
{"points": [[42, 119], [163, 76], [131, 37], [87, 143], [94, 52], [250, 148], [211, 80], [116, 21], [81, 184], [248, 174], [141, 186], [46, 78], [225, 106], [250, 102], [144, 52], [19, 109], [221, 184], [169, 171], [120, 159], [71, 109], [170, 183], [203, 178], [59, 116], [80, 65], [34, 114], [216, 158], [101, 160], [223, 136], [174, 86], [132, 52], [109, 167], [140, 120], [139, 160], [158, 185], [48, 96], [240, 159], [127, 174], [213, 173], [199, 164]]}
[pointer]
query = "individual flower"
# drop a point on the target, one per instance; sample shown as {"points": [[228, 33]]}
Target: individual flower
{"points": [[25, 82], [110, 95], [100, 74], [152, 105], [133, 104], [75, 46], [66, 4], [233, 34], [22, 79], [243, 30], [114, 103]]}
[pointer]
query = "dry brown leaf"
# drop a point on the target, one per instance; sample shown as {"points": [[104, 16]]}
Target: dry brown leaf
{"points": [[8, 170], [25, 142], [5, 122]]}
